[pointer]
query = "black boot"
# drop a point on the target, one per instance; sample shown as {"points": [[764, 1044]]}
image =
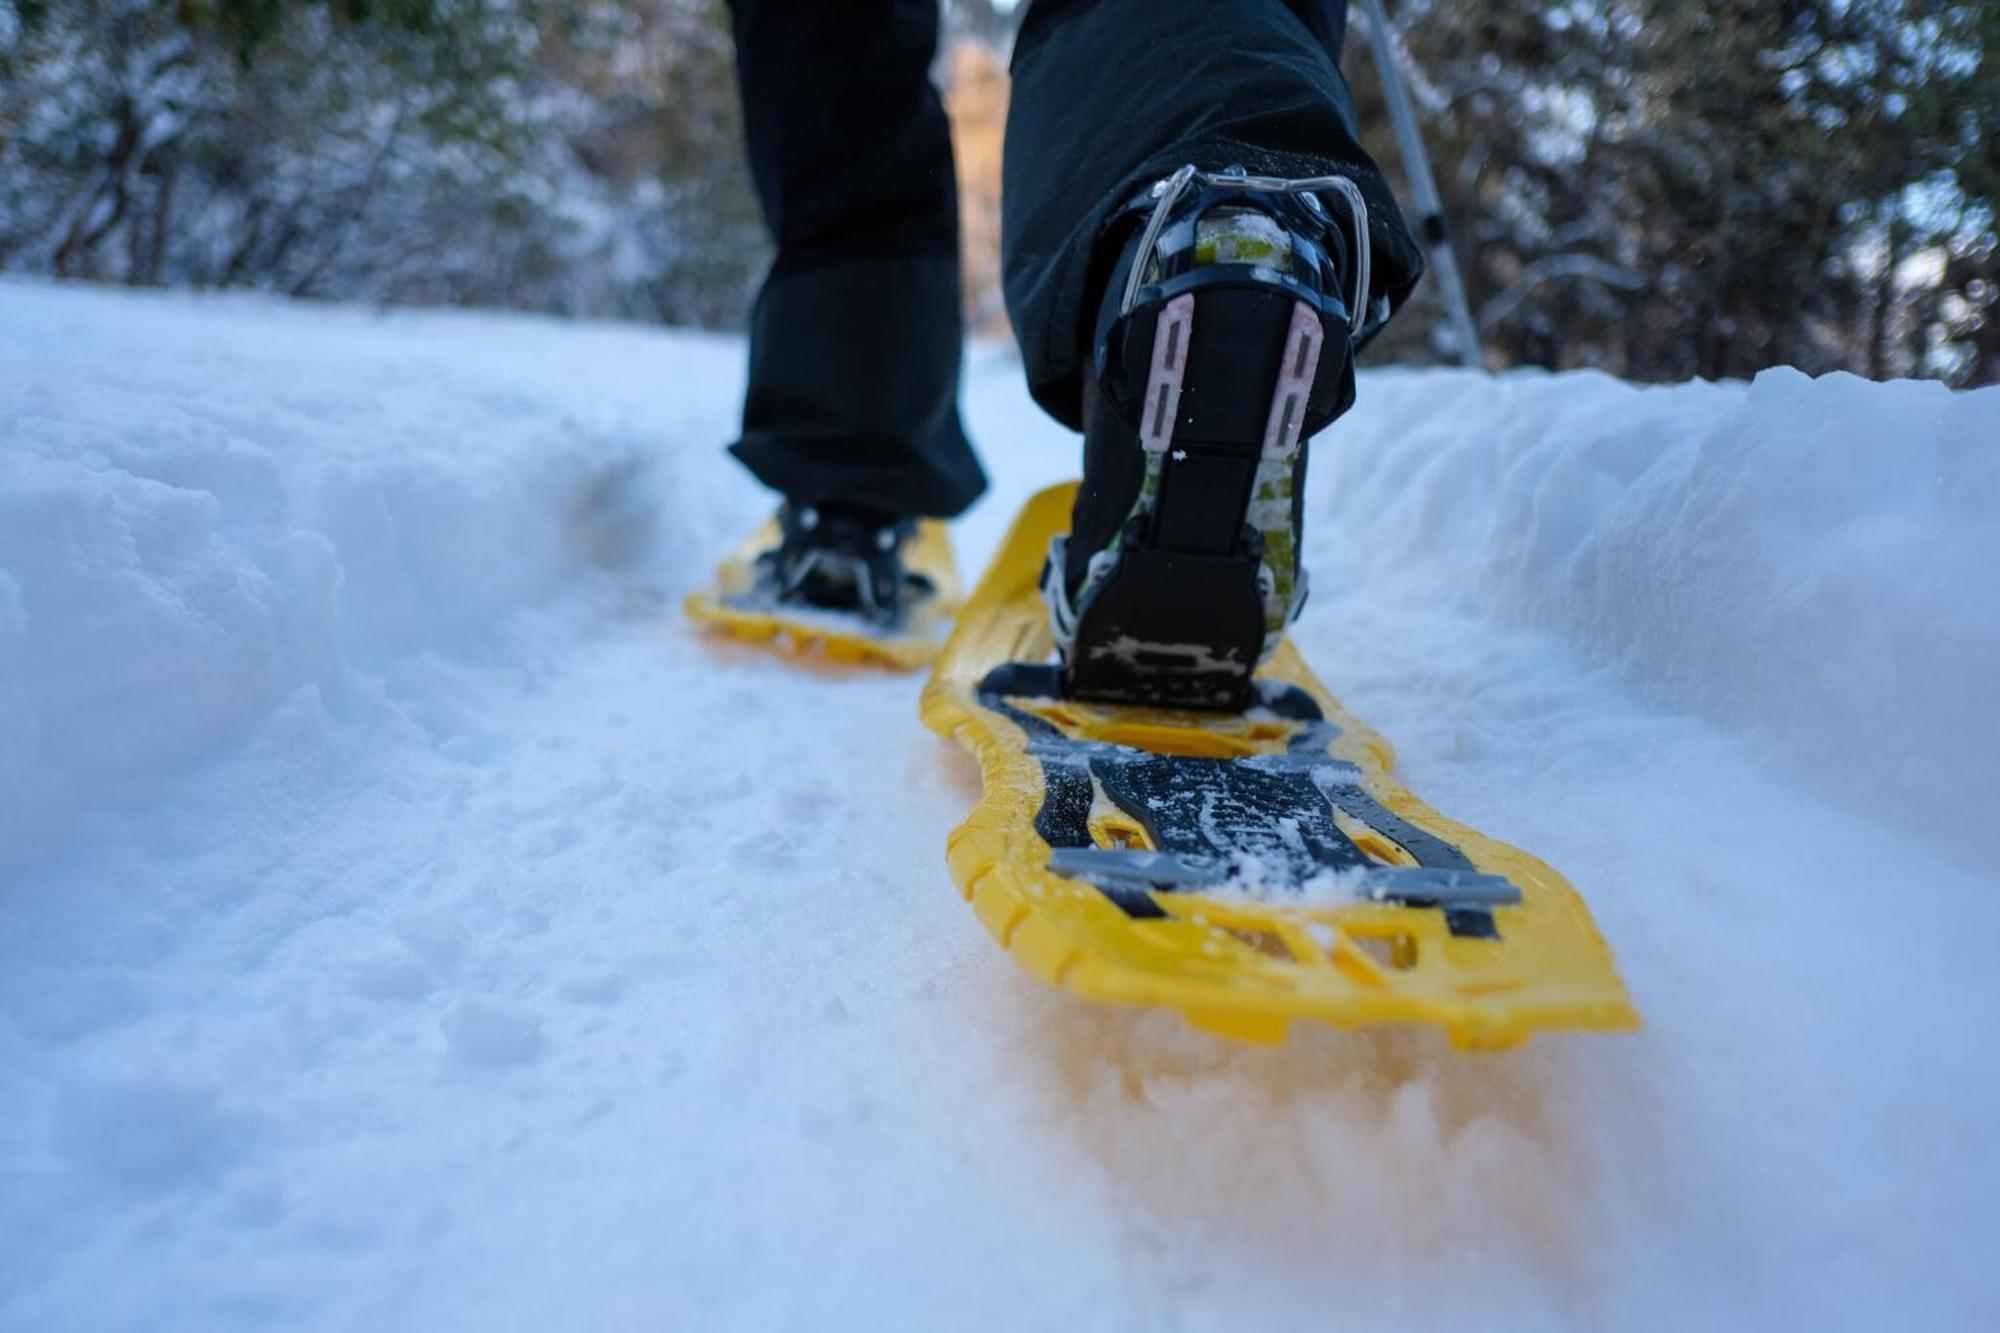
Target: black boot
{"points": [[1224, 340], [841, 559]]}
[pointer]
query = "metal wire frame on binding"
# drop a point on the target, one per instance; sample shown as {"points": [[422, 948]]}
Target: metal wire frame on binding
{"points": [[1168, 191]]}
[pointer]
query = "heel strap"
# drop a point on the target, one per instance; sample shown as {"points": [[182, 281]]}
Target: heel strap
{"points": [[1235, 185]]}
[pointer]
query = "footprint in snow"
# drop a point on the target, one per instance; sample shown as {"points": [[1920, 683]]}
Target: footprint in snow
{"points": [[480, 1032], [148, 1135]]}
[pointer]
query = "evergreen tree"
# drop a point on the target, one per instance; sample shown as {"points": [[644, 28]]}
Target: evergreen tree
{"points": [[1666, 190]]}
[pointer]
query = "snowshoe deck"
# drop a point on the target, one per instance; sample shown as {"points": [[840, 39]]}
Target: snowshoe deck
{"points": [[1247, 869], [736, 608]]}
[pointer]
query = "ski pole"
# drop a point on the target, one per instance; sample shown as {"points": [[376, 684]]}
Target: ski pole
{"points": [[1417, 166]]}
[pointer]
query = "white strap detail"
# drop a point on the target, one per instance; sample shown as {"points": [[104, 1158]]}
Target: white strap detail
{"points": [[1162, 406], [1055, 588], [1303, 341], [1273, 639], [1062, 616]]}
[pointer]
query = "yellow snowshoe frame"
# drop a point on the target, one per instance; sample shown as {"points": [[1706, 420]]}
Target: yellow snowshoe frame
{"points": [[805, 632], [1241, 967]]}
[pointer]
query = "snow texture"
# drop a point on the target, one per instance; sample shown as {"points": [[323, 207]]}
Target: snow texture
{"points": [[406, 921]]}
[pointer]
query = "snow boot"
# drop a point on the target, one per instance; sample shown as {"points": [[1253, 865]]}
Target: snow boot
{"points": [[1224, 340], [845, 560]]}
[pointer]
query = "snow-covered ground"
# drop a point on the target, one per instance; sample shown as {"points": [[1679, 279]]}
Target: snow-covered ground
{"points": [[406, 922]]}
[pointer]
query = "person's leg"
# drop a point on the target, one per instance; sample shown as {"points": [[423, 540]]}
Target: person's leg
{"points": [[1110, 95], [856, 336], [1198, 332]]}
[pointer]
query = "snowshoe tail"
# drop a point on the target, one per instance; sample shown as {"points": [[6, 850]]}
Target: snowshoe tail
{"points": [[1114, 848]]}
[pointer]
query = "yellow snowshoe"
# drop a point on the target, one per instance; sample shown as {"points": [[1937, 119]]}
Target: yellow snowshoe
{"points": [[1247, 868]]}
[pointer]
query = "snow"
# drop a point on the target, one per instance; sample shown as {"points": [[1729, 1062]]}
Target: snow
{"points": [[178, 556], [405, 921], [1705, 543]]}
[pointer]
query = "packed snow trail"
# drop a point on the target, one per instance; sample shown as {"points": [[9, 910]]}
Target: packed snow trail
{"points": [[407, 922]]}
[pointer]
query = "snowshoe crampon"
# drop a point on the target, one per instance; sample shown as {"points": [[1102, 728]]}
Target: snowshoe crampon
{"points": [[742, 605], [1247, 869]]}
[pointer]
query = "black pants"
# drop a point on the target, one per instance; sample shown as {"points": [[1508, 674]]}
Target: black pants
{"points": [[856, 336]]}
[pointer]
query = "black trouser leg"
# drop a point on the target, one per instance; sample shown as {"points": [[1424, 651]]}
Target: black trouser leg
{"points": [[1327, 21], [1110, 95], [856, 337]]}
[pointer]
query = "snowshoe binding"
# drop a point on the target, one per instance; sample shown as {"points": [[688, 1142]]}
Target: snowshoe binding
{"points": [[1224, 341], [854, 586], [839, 560]]}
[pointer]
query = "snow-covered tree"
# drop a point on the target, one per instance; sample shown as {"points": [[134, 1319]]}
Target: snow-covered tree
{"points": [[561, 156]]}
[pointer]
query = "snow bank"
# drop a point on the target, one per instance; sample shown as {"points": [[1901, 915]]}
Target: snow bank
{"points": [[1810, 563], [267, 498], [562, 967], [206, 508]]}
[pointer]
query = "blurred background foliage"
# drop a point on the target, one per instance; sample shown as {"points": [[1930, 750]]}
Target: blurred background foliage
{"points": [[1666, 190], [1659, 189]]}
